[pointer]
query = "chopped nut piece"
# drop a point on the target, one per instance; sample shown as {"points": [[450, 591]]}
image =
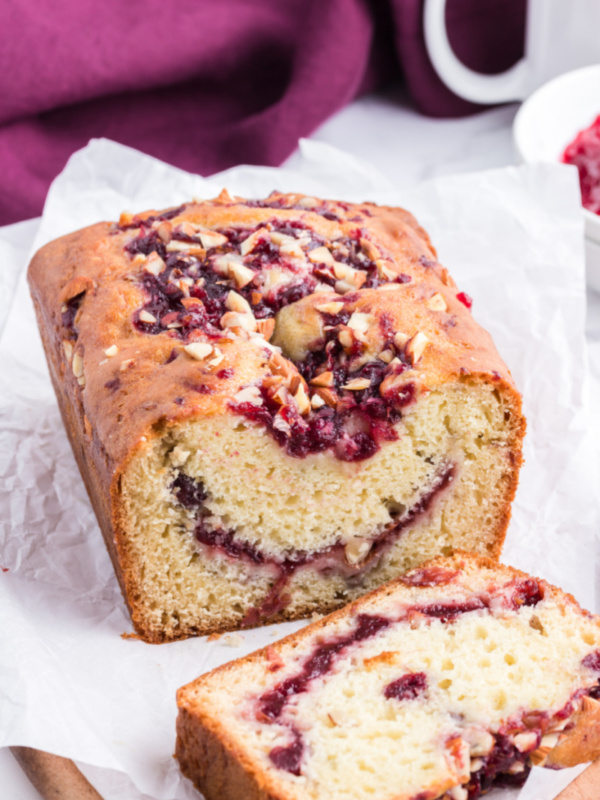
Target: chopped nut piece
{"points": [[212, 239], [241, 275], [236, 319], [343, 287], [154, 264], [317, 401], [386, 356], [68, 348], [281, 238], [388, 287], [320, 255], [345, 338], [357, 549], [357, 384], [481, 742], [330, 398], [323, 379], [126, 363], [437, 303], [525, 741], [250, 243], [302, 399], [255, 298], [308, 202], [265, 327], [198, 350], [516, 768], [165, 231], [146, 316], [332, 308], [369, 249], [400, 339], [385, 270], [77, 365], [111, 351], [81, 381], [224, 197], [214, 362], [273, 278], [125, 219], [415, 347], [249, 394], [235, 302], [360, 322]]}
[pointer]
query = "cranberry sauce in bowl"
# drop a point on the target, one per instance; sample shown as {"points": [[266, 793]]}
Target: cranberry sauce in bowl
{"points": [[584, 153]]}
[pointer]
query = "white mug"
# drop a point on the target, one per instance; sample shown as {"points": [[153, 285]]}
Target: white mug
{"points": [[561, 35]]}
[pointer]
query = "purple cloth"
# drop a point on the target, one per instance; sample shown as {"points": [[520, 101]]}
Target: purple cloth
{"points": [[206, 84]]}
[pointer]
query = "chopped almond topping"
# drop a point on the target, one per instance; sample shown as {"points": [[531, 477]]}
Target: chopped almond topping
{"points": [[241, 275], [301, 397], [126, 363], [330, 398], [212, 239], [249, 394], [154, 264], [125, 219], [400, 339], [146, 316], [345, 338], [165, 231], [332, 308], [236, 319], [525, 741], [255, 298], [111, 351], [343, 287], [385, 270], [68, 348], [214, 362], [250, 243], [323, 379], [317, 401], [369, 249], [386, 356], [320, 255], [291, 249], [235, 302], [360, 322], [357, 384], [198, 350], [265, 327], [416, 347], [437, 302], [224, 197]]}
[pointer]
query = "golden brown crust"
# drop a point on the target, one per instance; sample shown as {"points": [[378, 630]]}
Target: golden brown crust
{"points": [[107, 426]]}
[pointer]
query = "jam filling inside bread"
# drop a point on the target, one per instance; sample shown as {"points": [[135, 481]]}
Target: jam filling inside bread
{"points": [[350, 560]]}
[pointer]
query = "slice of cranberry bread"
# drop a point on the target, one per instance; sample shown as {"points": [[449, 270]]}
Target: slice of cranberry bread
{"points": [[450, 680], [276, 405]]}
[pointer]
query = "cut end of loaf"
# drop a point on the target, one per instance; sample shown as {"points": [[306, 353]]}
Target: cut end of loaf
{"points": [[251, 534]]}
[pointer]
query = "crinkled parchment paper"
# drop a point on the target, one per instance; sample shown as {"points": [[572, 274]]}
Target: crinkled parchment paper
{"points": [[69, 683]]}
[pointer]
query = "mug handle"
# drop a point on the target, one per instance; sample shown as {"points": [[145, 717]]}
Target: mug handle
{"points": [[510, 85]]}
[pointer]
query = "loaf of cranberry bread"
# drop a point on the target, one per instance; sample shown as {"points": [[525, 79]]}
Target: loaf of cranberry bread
{"points": [[445, 682], [276, 405]]}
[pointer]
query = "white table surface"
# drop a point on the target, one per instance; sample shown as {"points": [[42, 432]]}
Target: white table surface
{"points": [[409, 148]]}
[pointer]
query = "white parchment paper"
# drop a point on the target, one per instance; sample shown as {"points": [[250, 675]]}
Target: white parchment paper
{"points": [[69, 684]]}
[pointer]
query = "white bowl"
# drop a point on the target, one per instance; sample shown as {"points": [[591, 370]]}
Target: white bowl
{"points": [[549, 120]]}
